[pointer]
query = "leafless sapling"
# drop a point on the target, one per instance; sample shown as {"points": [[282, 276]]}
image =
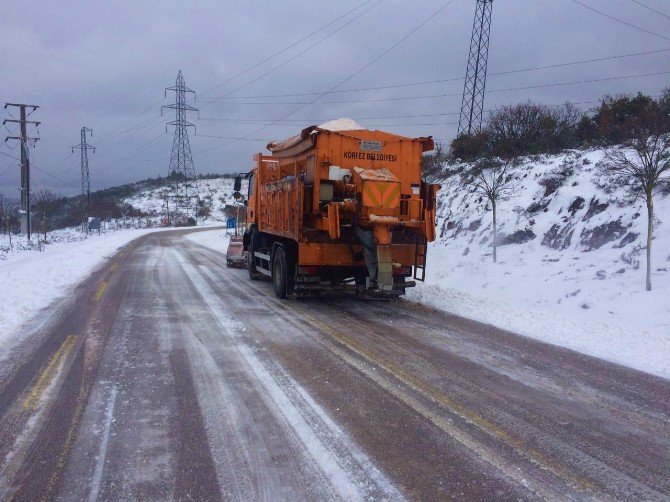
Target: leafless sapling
{"points": [[44, 203], [492, 180], [3, 216], [644, 163]]}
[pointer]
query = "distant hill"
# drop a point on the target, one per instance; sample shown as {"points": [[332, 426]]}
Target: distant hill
{"points": [[142, 200]]}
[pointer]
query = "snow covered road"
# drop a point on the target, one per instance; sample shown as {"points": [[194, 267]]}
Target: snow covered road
{"points": [[184, 380]]}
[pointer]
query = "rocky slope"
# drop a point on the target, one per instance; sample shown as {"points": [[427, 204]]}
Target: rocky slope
{"points": [[571, 260]]}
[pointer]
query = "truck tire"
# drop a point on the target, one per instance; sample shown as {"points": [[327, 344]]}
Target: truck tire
{"points": [[282, 280], [254, 275], [399, 280], [279, 272]]}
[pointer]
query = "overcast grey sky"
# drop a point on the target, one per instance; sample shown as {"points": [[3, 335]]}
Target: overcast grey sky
{"points": [[105, 65]]}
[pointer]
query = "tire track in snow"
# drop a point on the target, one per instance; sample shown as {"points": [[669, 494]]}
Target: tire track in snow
{"points": [[351, 474], [96, 479]]}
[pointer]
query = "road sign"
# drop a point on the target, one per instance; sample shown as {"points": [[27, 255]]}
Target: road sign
{"points": [[230, 223], [94, 223]]}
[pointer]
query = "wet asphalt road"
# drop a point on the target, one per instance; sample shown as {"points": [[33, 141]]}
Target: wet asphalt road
{"points": [[168, 376]]}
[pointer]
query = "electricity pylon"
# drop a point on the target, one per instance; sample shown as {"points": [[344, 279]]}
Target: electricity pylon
{"points": [[472, 107], [181, 171], [85, 176]]}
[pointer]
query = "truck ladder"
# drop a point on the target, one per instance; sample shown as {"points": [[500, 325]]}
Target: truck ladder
{"points": [[420, 253]]}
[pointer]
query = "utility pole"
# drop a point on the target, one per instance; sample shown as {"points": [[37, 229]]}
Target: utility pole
{"points": [[166, 202], [24, 139], [472, 106], [85, 178], [181, 171]]}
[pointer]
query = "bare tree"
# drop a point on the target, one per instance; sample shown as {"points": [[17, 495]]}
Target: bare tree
{"points": [[44, 203], [3, 216], [643, 162], [432, 163], [493, 181], [8, 215]]}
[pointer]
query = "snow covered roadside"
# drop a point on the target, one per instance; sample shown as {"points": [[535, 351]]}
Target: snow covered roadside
{"points": [[216, 239], [32, 280], [634, 329], [571, 261]]}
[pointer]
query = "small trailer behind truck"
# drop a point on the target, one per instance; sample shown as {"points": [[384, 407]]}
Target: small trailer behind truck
{"points": [[340, 208]]}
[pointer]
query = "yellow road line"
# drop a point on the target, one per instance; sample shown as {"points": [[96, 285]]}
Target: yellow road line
{"points": [[32, 401], [101, 291], [436, 396], [114, 267]]}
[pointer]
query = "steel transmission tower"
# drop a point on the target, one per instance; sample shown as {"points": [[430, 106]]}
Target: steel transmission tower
{"points": [[472, 107], [85, 176], [181, 171]]}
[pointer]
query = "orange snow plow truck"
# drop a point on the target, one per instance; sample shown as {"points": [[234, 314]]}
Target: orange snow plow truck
{"points": [[339, 208]]}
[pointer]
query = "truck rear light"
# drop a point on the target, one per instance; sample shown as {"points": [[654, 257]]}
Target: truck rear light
{"points": [[308, 270], [404, 271], [416, 189]]}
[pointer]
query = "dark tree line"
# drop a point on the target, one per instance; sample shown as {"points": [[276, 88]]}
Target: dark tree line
{"points": [[530, 128], [52, 211]]}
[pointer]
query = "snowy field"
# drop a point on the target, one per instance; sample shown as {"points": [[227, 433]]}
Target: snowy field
{"points": [[31, 280], [578, 282], [216, 239], [216, 193]]}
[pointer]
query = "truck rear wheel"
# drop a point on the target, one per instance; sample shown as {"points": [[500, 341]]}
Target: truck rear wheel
{"points": [[254, 275], [281, 274]]}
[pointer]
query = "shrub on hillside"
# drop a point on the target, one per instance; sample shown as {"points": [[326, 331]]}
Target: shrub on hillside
{"points": [[469, 147], [530, 128], [432, 163]]}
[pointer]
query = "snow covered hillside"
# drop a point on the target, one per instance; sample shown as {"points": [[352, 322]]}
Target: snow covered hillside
{"points": [[216, 195], [570, 265]]}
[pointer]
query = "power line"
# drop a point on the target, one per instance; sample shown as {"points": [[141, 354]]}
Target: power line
{"points": [[293, 122], [10, 156], [41, 170], [357, 72], [430, 96], [67, 183], [620, 20], [114, 133], [137, 128], [62, 167], [143, 147], [33, 165], [455, 79], [256, 65], [294, 57], [651, 9]]}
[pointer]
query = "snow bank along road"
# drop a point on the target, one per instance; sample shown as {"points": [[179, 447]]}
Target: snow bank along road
{"points": [[174, 378]]}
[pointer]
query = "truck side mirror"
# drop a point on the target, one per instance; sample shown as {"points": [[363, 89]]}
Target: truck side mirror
{"points": [[238, 183]]}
